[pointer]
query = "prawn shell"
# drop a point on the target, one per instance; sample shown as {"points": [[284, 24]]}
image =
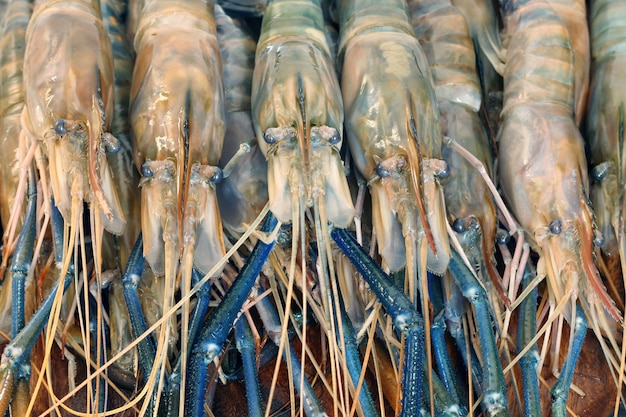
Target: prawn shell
{"points": [[602, 133], [380, 127], [573, 14], [68, 74], [541, 70], [293, 64], [243, 194], [60, 86], [11, 104], [449, 50], [177, 115], [466, 193], [163, 88]]}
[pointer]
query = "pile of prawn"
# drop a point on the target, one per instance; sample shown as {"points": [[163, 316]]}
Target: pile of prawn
{"points": [[143, 142]]}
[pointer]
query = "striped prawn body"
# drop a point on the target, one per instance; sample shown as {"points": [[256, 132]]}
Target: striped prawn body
{"points": [[392, 126], [177, 120], [68, 84]]}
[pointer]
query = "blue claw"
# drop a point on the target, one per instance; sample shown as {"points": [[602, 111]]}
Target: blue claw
{"points": [[146, 349], [529, 362], [247, 349], [448, 378], [214, 333], [354, 362], [203, 297], [494, 386], [399, 307], [453, 313], [560, 390], [197, 319], [23, 256], [17, 353]]}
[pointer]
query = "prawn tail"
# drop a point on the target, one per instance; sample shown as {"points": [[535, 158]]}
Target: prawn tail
{"points": [[482, 20]]}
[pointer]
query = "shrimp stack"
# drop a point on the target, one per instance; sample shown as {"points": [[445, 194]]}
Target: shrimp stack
{"points": [[181, 133]]}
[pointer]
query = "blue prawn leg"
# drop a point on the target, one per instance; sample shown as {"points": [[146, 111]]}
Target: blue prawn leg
{"points": [[195, 326], [246, 347], [453, 314], [17, 353], [213, 334], [442, 359], [203, 297], [354, 362], [560, 390], [493, 377], [146, 349], [400, 308], [23, 257], [529, 362]]}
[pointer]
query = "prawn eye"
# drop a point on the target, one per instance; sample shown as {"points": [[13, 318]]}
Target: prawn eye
{"points": [[459, 225], [335, 138], [598, 238], [217, 176], [269, 139], [444, 173], [60, 127], [111, 143], [555, 226], [146, 171], [113, 147], [381, 171], [502, 237], [599, 171]]}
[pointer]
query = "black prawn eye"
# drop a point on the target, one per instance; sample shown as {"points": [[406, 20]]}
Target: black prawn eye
{"points": [[555, 226], [217, 176], [146, 171], [335, 138], [502, 237], [60, 127], [598, 238], [445, 173], [381, 171], [459, 225], [599, 171], [269, 139], [114, 146]]}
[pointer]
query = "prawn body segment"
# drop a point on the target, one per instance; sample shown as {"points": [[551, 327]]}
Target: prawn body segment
{"points": [[605, 118], [393, 129], [573, 14], [539, 140], [177, 118], [68, 84], [449, 49], [298, 113], [243, 192], [12, 144]]}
